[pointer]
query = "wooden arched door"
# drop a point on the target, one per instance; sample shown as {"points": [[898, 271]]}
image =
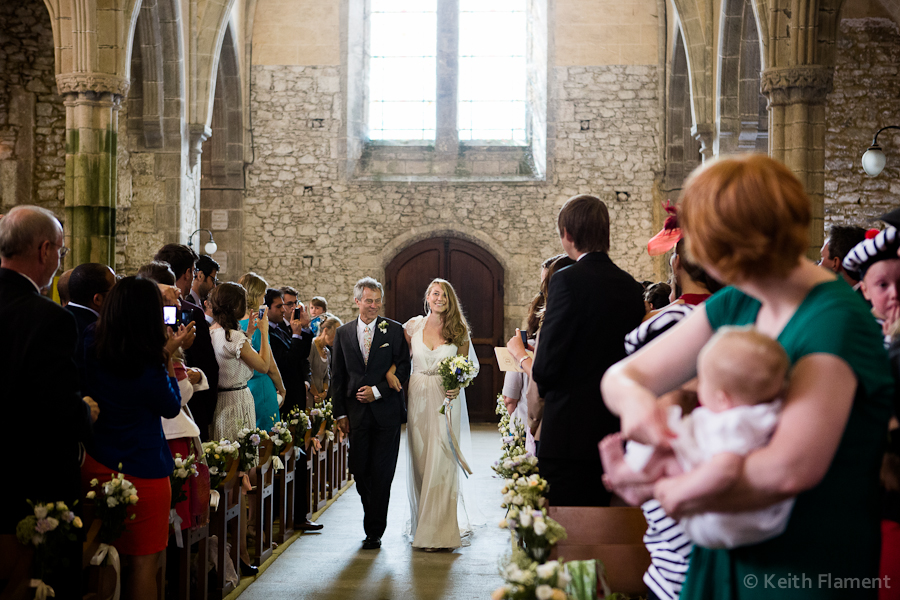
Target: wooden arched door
{"points": [[478, 279]]}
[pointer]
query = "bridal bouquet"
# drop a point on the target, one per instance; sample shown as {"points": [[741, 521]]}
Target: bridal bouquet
{"points": [[249, 440], [184, 468], [112, 501], [456, 372], [217, 456], [526, 579]]}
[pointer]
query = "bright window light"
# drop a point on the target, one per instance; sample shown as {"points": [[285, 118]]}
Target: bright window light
{"points": [[492, 70], [402, 69]]}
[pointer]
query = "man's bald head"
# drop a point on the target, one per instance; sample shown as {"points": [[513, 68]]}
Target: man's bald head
{"points": [[25, 228]]}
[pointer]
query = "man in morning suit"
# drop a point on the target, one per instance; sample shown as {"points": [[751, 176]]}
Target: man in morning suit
{"points": [[40, 379], [287, 348], [591, 306], [200, 355], [365, 405]]}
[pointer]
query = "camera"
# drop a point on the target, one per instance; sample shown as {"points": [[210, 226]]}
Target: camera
{"points": [[170, 315]]}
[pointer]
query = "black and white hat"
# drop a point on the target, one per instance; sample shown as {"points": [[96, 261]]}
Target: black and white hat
{"points": [[868, 252]]}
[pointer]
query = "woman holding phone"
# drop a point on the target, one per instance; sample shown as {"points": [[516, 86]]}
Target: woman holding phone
{"points": [[266, 384]]}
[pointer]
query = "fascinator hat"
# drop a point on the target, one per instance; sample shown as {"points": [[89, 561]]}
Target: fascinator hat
{"points": [[882, 246], [669, 235]]}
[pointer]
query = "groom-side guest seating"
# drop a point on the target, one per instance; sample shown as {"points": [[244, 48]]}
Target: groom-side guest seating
{"points": [[285, 488]]}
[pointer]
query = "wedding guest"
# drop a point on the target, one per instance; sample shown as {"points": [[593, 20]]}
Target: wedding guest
{"points": [[656, 296], [591, 305], [39, 338], [88, 286], [320, 359], [841, 239], [874, 263], [129, 371], [266, 386], [205, 279], [747, 223], [200, 355], [237, 360], [533, 400], [62, 287], [289, 350], [318, 306], [293, 310]]}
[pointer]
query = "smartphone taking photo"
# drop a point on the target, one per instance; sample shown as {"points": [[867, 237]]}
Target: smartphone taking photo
{"points": [[170, 315], [262, 311]]}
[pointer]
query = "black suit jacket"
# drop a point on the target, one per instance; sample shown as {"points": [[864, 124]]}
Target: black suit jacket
{"points": [[40, 388], [591, 306], [83, 319], [350, 372], [202, 356], [291, 354]]}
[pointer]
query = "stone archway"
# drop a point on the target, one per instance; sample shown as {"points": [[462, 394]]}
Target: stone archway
{"points": [[222, 164], [682, 149], [743, 116]]}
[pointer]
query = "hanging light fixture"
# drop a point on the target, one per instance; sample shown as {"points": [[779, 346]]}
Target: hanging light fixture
{"points": [[210, 247], [873, 160]]}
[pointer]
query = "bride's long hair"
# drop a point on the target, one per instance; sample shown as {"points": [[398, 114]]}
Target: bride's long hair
{"points": [[454, 327]]}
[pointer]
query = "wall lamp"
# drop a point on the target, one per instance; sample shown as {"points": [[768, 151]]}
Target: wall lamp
{"points": [[873, 160], [211, 246]]}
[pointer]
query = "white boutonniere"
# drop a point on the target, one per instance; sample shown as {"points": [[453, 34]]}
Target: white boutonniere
{"points": [[382, 327]]}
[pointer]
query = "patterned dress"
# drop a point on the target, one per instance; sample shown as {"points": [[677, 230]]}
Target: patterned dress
{"points": [[235, 408]]}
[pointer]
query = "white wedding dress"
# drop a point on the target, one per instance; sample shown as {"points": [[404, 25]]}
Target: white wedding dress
{"points": [[438, 517]]}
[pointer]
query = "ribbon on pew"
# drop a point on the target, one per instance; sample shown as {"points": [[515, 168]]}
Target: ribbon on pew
{"points": [[106, 551], [42, 590], [175, 521]]}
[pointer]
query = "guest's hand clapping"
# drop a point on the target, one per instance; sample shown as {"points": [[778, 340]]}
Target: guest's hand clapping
{"points": [[95, 408], [184, 336]]}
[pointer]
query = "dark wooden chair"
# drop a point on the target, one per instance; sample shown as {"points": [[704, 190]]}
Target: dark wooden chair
{"points": [[320, 468], [612, 535], [225, 523], [263, 501], [285, 492]]}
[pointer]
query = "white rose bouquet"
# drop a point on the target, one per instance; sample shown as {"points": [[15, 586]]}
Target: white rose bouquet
{"points": [[111, 502], [281, 436], [299, 420], [535, 531], [217, 456], [49, 528], [456, 372], [515, 460], [527, 580]]}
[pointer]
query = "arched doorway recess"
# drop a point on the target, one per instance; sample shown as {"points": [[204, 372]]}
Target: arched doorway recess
{"points": [[478, 279]]}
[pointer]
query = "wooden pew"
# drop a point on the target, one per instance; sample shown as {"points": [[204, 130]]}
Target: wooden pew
{"points": [[224, 523], [261, 496], [612, 535], [320, 468], [285, 490]]}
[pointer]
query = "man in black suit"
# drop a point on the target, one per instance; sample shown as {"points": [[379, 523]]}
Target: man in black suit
{"points": [[40, 383], [200, 355], [365, 405], [287, 349], [88, 286], [291, 303], [591, 306]]}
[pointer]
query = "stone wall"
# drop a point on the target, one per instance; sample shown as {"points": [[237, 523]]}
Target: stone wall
{"points": [[307, 226], [32, 114], [865, 98]]}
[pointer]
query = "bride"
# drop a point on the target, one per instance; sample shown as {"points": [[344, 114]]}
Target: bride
{"points": [[434, 464]]}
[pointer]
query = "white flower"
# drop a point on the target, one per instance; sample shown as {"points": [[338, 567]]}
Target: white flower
{"points": [[179, 462], [519, 500], [94, 483], [181, 473], [526, 519], [214, 470], [504, 524], [111, 501], [546, 570], [53, 523], [40, 511], [563, 578], [91, 495], [61, 506], [540, 526], [543, 592]]}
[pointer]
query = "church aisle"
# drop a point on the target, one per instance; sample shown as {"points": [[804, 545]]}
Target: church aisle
{"points": [[331, 565]]}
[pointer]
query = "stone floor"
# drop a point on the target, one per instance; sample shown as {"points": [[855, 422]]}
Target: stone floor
{"points": [[331, 566]]}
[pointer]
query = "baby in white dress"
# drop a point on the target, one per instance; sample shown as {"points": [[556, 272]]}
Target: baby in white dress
{"points": [[741, 373]]}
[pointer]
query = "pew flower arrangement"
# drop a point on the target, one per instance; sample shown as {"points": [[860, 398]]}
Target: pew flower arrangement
{"points": [[524, 491], [455, 372], [321, 422], [526, 579], [112, 500], [299, 420], [249, 440], [515, 460], [184, 468], [48, 529], [280, 434], [534, 530], [217, 456]]}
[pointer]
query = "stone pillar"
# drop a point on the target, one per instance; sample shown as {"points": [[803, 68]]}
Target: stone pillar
{"points": [[705, 134], [92, 111], [796, 97]]}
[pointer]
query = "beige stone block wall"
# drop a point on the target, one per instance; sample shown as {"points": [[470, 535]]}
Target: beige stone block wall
{"points": [[297, 32], [606, 32]]}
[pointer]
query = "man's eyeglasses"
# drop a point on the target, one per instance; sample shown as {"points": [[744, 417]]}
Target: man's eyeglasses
{"points": [[62, 249], [291, 304]]}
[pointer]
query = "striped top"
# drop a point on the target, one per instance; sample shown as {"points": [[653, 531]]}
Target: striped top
{"points": [[669, 546]]}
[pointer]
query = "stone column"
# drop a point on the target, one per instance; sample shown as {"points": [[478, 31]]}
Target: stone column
{"points": [[796, 97], [92, 107]]}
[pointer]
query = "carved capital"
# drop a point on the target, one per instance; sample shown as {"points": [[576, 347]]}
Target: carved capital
{"points": [[797, 85], [199, 133], [704, 133], [98, 83]]}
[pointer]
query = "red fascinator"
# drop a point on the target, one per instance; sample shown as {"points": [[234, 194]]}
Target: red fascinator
{"points": [[669, 235]]}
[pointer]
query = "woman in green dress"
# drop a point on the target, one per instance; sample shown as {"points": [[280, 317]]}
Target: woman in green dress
{"points": [[746, 221], [266, 386]]}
